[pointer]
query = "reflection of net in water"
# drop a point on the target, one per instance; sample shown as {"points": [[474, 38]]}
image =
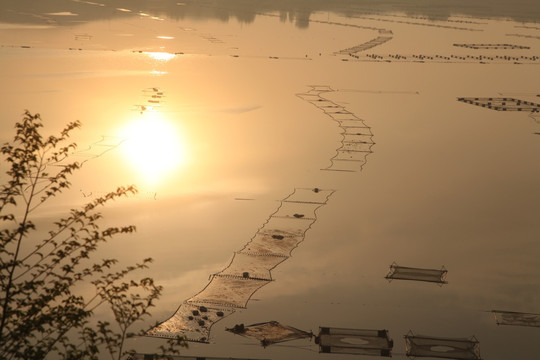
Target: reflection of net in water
{"points": [[92, 151], [249, 270], [98, 148], [438, 347], [516, 318], [357, 138]]}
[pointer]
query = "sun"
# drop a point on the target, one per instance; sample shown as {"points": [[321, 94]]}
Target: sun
{"points": [[153, 146]]}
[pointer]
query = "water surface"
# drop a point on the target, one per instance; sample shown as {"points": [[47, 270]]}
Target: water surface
{"points": [[447, 183]]}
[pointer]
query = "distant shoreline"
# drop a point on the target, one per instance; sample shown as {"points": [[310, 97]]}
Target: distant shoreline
{"points": [[297, 11]]}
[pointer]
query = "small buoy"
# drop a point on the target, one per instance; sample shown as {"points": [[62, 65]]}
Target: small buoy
{"points": [[239, 328]]}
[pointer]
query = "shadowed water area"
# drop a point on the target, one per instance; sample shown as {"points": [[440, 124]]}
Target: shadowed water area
{"points": [[365, 172]]}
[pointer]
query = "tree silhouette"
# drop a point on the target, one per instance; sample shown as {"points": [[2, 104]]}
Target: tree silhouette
{"points": [[43, 310]]}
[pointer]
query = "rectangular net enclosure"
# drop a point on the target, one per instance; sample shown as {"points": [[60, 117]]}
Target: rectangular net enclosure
{"points": [[502, 104], [297, 210], [228, 291], [351, 155], [191, 321], [355, 123], [271, 332], [356, 136], [440, 347], [354, 341], [417, 274], [516, 318], [276, 242], [365, 46], [492, 46], [249, 269], [245, 265]]}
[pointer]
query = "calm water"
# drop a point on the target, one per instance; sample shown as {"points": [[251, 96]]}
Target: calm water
{"points": [[200, 106]]}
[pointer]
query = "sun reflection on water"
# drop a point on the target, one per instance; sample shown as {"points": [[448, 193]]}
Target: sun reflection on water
{"points": [[153, 147], [162, 56]]}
